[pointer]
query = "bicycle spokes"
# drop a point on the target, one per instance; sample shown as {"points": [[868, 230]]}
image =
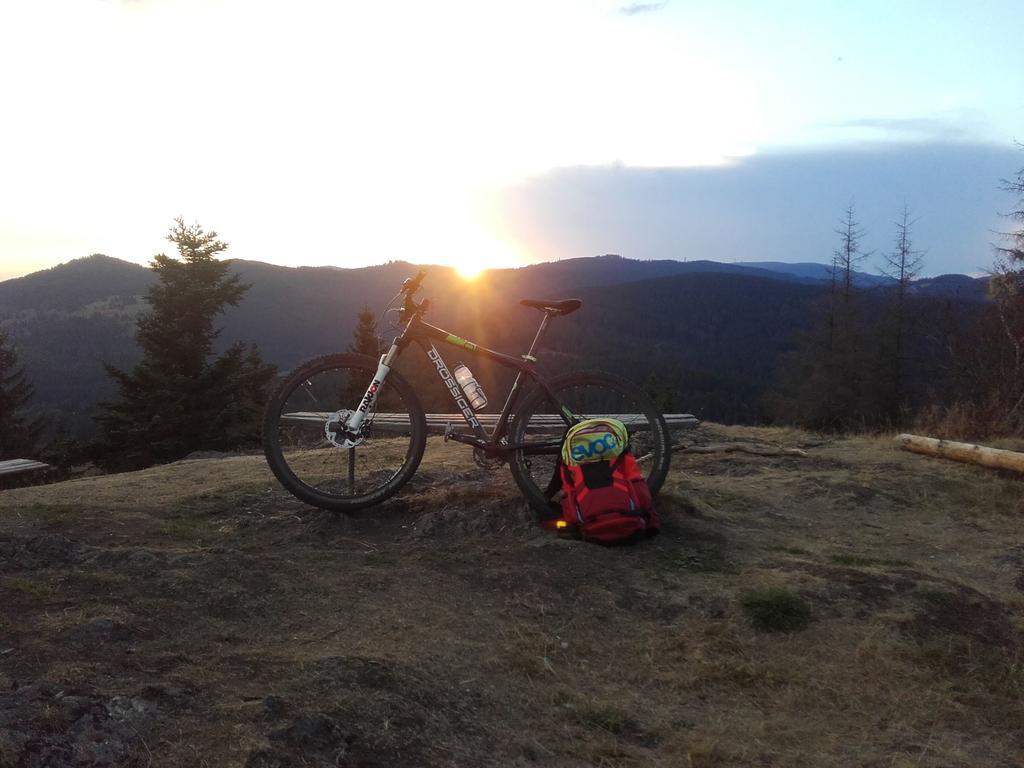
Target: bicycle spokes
{"points": [[320, 449]]}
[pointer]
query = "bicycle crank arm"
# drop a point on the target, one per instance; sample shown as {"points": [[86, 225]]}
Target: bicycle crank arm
{"points": [[461, 437]]}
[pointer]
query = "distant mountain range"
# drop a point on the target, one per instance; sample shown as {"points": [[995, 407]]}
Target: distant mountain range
{"points": [[709, 330]]}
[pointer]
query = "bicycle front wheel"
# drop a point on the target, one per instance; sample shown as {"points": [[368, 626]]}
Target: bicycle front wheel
{"points": [[538, 426], [308, 450]]}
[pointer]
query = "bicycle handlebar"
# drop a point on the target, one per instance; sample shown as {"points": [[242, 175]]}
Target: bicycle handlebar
{"points": [[411, 284], [409, 287]]}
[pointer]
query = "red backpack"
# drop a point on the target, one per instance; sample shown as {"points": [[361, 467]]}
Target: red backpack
{"points": [[606, 497]]}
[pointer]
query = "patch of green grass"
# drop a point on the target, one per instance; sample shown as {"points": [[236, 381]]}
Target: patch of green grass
{"points": [[704, 559], [203, 504], [706, 753], [858, 561], [697, 550], [37, 590], [855, 561], [563, 698], [188, 527], [776, 610], [977, 670], [614, 721], [50, 514], [7, 755], [198, 516], [793, 551], [972, 640], [895, 562]]}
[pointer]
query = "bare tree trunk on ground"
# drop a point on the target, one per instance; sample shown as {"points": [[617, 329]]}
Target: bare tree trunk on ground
{"points": [[967, 452]]}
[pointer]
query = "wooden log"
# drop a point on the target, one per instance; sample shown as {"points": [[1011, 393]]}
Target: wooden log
{"points": [[970, 453]]}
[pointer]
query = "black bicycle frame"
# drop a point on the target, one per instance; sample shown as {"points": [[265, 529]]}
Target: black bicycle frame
{"points": [[422, 333]]}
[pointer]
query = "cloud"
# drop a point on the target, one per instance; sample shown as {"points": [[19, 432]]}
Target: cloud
{"points": [[958, 128], [634, 9], [777, 206]]}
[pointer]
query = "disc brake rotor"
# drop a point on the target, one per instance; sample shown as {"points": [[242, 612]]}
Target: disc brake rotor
{"points": [[336, 433]]}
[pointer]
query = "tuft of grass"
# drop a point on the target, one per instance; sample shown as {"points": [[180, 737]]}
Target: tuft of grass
{"points": [[857, 561], [776, 610], [8, 759], [976, 671], [193, 519], [614, 721], [35, 589], [704, 559], [50, 514], [971, 639], [706, 753], [799, 551], [183, 529]]}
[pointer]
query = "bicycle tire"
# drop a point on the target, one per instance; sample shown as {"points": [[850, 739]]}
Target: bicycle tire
{"points": [[655, 447], [340, 377]]}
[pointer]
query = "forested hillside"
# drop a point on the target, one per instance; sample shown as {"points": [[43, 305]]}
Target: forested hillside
{"points": [[703, 336]]}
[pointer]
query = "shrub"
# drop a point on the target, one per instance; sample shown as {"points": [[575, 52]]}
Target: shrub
{"points": [[776, 610]]}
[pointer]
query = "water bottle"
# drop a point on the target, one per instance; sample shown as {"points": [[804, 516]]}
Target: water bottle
{"points": [[474, 392]]}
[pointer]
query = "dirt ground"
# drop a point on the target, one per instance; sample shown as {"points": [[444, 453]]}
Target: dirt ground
{"points": [[196, 615]]}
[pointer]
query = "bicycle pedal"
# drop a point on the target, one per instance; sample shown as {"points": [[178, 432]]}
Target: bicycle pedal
{"points": [[449, 430]]}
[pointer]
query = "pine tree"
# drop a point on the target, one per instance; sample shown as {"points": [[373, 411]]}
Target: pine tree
{"points": [[660, 391], [180, 398], [364, 337], [19, 431], [364, 342]]}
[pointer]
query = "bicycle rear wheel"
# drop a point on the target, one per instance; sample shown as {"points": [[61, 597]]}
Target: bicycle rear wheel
{"points": [[538, 425], [305, 447]]}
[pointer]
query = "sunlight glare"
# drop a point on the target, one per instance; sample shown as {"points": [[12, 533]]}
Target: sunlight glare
{"points": [[469, 272], [476, 250]]}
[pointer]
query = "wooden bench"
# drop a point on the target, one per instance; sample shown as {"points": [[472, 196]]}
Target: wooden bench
{"points": [[437, 422], [17, 466]]}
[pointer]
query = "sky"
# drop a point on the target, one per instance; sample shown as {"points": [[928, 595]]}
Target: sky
{"points": [[479, 133]]}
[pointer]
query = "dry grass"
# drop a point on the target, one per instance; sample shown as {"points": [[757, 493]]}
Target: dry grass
{"points": [[444, 629]]}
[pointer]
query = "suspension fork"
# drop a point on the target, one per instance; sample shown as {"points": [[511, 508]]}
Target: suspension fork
{"points": [[355, 421]]}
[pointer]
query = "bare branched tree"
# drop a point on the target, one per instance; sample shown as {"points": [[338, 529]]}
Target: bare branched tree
{"points": [[903, 265], [848, 256], [1007, 289], [1013, 252], [822, 384]]}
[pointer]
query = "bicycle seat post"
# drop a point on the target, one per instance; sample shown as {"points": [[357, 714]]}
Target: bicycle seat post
{"points": [[536, 339]]}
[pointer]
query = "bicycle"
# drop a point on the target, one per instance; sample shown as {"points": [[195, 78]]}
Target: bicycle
{"points": [[311, 438]]}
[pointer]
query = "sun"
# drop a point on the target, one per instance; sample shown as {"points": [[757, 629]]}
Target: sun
{"points": [[475, 250], [470, 271]]}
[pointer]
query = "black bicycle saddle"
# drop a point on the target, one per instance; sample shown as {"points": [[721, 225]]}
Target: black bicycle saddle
{"points": [[562, 307]]}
